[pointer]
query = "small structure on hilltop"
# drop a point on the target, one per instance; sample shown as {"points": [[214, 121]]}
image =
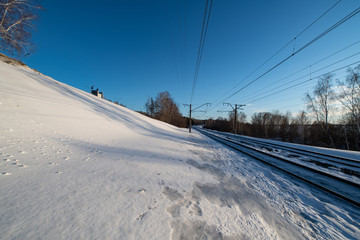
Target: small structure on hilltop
{"points": [[96, 92]]}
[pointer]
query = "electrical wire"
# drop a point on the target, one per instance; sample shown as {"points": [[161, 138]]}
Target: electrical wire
{"points": [[277, 52], [346, 18], [298, 71], [201, 45], [309, 66], [298, 84], [309, 74]]}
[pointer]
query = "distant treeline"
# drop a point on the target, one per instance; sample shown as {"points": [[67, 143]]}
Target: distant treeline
{"points": [[285, 128], [332, 120]]}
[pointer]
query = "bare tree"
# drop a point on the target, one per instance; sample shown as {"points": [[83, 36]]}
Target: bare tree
{"points": [[150, 107], [349, 97], [16, 24], [320, 103], [301, 121], [165, 109], [240, 121]]}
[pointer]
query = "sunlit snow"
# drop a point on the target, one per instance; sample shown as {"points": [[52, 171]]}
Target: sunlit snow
{"points": [[77, 167]]}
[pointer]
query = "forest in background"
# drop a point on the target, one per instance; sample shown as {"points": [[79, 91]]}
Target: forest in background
{"points": [[332, 118]]}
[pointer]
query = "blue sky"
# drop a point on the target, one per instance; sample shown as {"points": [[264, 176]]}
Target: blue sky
{"points": [[134, 49]]}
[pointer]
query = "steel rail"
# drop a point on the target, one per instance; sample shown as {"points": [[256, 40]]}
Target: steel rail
{"points": [[310, 153], [352, 196]]}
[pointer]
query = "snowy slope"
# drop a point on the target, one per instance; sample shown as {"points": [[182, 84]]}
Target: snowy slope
{"points": [[77, 167]]}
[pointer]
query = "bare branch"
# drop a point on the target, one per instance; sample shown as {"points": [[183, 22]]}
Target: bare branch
{"points": [[16, 24]]}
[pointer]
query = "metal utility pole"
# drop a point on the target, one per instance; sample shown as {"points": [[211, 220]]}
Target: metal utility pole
{"points": [[193, 110], [190, 119], [237, 106]]}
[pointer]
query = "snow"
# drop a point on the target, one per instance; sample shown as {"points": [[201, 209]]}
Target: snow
{"points": [[77, 167], [335, 152]]}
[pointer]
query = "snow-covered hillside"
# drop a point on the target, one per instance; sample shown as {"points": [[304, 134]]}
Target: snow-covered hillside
{"points": [[77, 167]]}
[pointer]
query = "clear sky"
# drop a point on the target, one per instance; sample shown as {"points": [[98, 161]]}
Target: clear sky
{"points": [[134, 49]]}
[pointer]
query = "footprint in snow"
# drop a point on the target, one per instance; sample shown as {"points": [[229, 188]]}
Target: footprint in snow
{"points": [[141, 216], [141, 190]]}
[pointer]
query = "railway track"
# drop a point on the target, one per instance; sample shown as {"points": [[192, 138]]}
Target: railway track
{"points": [[330, 158], [347, 167], [336, 185]]}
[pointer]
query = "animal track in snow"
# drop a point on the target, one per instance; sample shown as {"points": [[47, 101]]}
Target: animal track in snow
{"points": [[141, 190], [141, 216], [189, 202]]}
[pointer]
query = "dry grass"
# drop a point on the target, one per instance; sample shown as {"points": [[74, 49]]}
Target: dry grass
{"points": [[10, 60], [15, 62]]}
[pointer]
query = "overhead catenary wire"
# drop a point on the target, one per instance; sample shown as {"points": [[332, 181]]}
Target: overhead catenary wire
{"points": [[346, 18], [250, 102], [309, 66], [302, 69], [309, 74], [277, 52], [181, 39], [172, 41], [303, 82], [205, 25]]}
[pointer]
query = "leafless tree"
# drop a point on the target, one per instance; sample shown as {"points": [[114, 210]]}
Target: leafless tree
{"points": [[150, 107], [349, 97], [240, 120], [300, 122], [164, 109], [321, 104], [16, 24]]}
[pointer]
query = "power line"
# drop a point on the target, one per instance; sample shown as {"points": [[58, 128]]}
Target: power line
{"points": [[298, 71], [309, 74], [201, 45], [309, 66], [311, 79], [277, 52], [346, 18], [172, 41]]}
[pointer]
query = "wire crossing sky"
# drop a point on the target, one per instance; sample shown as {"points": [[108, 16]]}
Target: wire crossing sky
{"points": [[205, 51], [201, 45]]}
